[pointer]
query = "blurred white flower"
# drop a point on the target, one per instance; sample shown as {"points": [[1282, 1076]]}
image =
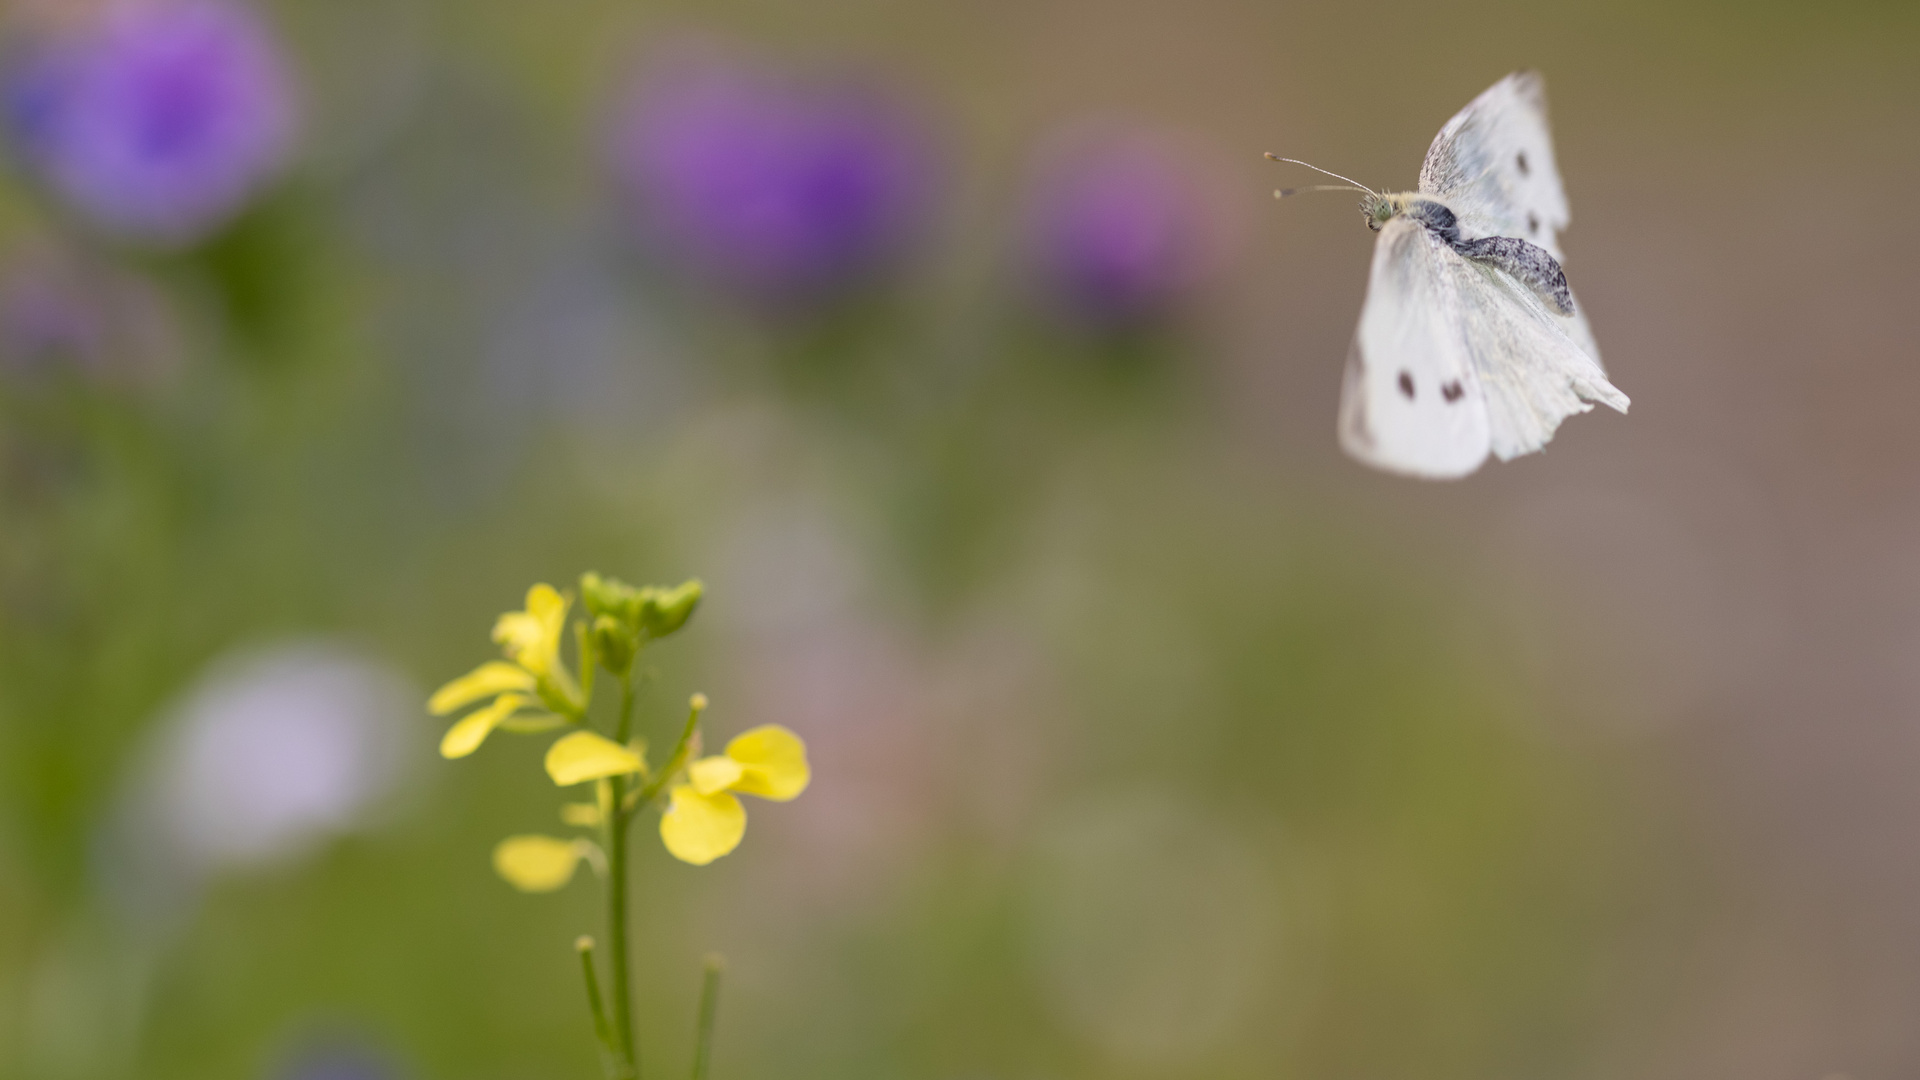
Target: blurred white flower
{"points": [[272, 752]]}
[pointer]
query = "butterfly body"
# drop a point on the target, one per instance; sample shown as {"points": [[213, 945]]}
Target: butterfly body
{"points": [[1470, 342], [1532, 264]]}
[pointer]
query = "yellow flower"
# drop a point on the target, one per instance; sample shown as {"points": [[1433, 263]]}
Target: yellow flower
{"points": [[531, 640], [540, 863], [704, 819]]}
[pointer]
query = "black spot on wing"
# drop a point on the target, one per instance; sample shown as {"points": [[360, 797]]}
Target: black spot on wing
{"points": [[1520, 159], [1406, 384], [1453, 391], [1533, 224]]}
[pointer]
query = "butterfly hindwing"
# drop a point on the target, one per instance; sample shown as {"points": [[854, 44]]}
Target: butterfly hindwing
{"points": [[1533, 374], [1412, 402]]}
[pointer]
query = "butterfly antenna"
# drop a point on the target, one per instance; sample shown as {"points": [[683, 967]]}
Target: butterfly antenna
{"points": [[1357, 185], [1284, 192]]}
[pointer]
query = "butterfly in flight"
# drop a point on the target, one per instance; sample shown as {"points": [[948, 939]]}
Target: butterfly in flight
{"points": [[1470, 342]]}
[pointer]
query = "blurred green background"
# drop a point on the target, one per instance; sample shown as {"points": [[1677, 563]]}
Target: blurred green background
{"points": [[1151, 737]]}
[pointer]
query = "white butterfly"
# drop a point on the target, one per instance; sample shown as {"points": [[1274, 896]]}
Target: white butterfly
{"points": [[1470, 340]]}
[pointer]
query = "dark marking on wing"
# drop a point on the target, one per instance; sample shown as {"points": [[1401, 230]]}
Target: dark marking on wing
{"points": [[1406, 384], [1533, 225], [1453, 391], [1520, 159], [1530, 263]]}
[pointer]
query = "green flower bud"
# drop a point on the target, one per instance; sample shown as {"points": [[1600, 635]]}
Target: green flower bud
{"points": [[610, 596], [663, 610], [614, 643]]}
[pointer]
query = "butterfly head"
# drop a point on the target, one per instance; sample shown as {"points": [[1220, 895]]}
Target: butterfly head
{"points": [[1380, 208]]}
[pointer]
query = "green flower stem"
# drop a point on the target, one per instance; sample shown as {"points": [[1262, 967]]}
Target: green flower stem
{"points": [[588, 662], [618, 960], [614, 1065], [696, 706], [709, 1002]]}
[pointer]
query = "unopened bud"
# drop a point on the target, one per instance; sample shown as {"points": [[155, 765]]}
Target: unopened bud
{"points": [[610, 596], [614, 643], [663, 610]]}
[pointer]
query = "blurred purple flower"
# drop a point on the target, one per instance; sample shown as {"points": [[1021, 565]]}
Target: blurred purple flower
{"points": [[341, 1066], [43, 319], [339, 1059], [156, 120], [60, 311], [781, 191], [1118, 231]]}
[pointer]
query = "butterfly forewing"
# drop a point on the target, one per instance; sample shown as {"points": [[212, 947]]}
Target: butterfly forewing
{"points": [[1493, 165]]}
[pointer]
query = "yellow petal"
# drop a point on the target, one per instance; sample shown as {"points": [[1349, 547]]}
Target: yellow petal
{"points": [[585, 815], [488, 679], [532, 637], [700, 828], [549, 609], [773, 762], [518, 635], [585, 755], [545, 603], [711, 774], [466, 735], [537, 863]]}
